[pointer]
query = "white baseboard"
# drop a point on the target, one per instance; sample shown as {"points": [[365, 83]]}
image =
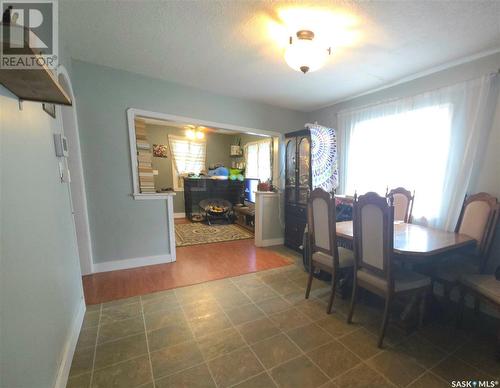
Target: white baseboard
{"points": [[69, 347], [115, 265], [271, 242], [179, 215]]}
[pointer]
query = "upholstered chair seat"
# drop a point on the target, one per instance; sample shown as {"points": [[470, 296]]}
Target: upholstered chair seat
{"points": [[485, 285], [404, 280], [453, 270], [346, 258]]}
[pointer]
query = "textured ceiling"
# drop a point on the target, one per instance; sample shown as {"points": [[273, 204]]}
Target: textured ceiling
{"points": [[229, 47]]}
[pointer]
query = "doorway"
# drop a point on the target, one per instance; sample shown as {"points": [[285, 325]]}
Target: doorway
{"points": [[77, 180], [214, 172]]}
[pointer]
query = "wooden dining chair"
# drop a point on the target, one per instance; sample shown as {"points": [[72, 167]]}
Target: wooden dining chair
{"points": [[483, 287], [403, 203], [478, 219], [324, 254], [487, 250], [373, 232]]}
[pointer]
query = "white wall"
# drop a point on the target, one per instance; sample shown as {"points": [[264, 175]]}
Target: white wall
{"points": [[40, 284], [122, 227]]}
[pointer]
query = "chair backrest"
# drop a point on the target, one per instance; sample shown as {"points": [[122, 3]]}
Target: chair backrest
{"points": [[479, 212], [321, 223], [492, 231], [403, 203], [373, 230]]}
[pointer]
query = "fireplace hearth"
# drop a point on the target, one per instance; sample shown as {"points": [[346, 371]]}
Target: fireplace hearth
{"points": [[214, 209]]}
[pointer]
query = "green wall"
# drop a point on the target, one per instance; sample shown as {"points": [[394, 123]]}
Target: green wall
{"points": [[40, 283], [218, 147], [158, 135], [122, 227], [246, 138]]}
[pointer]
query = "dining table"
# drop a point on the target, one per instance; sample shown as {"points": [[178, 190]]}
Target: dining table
{"points": [[415, 245]]}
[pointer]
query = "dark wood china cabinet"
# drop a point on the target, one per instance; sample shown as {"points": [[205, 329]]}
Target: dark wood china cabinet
{"points": [[298, 181]]}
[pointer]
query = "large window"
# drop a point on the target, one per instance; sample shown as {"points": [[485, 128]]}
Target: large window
{"points": [[188, 156], [408, 149], [258, 157]]}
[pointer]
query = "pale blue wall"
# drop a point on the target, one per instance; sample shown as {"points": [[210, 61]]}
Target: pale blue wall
{"points": [[122, 227], [40, 283]]}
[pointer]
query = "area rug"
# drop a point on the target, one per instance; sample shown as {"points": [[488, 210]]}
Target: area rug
{"points": [[200, 233]]}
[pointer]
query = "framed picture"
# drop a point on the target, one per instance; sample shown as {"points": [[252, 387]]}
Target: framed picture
{"points": [[160, 151], [50, 109]]}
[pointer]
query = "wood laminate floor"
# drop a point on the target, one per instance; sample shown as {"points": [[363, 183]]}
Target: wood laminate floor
{"points": [[195, 264]]}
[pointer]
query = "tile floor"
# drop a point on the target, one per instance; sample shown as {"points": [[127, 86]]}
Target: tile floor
{"points": [[258, 331]]}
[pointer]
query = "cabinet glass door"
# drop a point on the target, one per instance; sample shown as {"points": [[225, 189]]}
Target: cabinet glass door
{"points": [[304, 169], [290, 175]]}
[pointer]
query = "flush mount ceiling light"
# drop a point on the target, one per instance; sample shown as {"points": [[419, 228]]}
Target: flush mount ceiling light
{"points": [[304, 53], [193, 132]]}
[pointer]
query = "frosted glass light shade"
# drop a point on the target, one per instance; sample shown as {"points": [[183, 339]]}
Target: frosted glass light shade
{"points": [[305, 55]]}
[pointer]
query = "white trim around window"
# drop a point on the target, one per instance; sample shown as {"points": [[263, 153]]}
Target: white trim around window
{"points": [[262, 152], [191, 160]]}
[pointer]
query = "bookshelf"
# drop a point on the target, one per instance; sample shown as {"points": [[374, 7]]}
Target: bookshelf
{"points": [[144, 158]]}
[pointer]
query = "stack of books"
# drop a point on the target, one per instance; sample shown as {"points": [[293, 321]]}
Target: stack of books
{"points": [[144, 158]]}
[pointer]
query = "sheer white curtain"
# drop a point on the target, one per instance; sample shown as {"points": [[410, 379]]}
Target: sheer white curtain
{"points": [[188, 156], [258, 157], [431, 143]]}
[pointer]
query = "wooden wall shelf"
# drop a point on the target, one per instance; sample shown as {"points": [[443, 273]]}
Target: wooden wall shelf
{"points": [[36, 84]]}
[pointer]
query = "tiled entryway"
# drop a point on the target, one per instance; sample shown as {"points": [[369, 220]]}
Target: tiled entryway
{"points": [[258, 331]]}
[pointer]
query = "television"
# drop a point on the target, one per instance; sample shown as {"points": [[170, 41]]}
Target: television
{"points": [[250, 189]]}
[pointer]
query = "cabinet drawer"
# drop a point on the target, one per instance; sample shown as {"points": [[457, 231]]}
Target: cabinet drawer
{"points": [[293, 211], [293, 245], [294, 230]]}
